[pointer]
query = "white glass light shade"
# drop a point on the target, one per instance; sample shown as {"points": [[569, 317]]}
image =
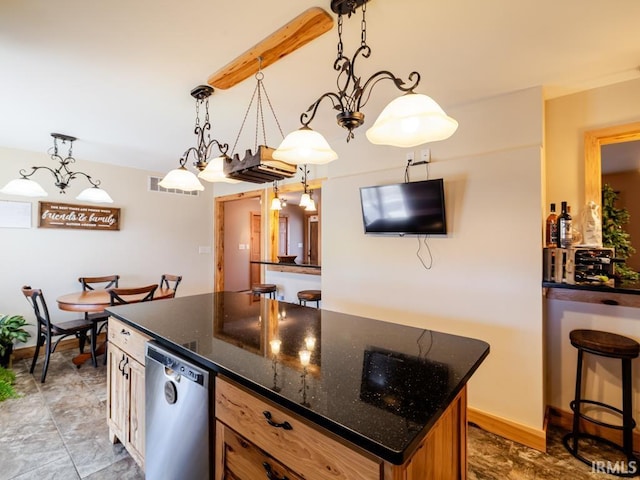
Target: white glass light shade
{"points": [[410, 120], [24, 187], [304, 199], [276, 204], [305, 146], [214, 172], [182, 179], [305, 357], [275, 346], [311, 206], [94, 195]]}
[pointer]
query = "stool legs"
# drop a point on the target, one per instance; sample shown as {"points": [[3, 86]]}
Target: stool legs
{"points": [[627, 416], [571, 439]]}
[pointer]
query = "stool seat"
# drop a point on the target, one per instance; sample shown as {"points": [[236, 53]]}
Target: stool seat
{"points": [[611, 345], [305, 296], [260, 288], [605, 343]]}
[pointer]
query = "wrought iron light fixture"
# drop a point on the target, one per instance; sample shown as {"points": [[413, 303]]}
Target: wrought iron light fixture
{"points": [[306, 199], [276, 203], [407, 121], [62, 175], [210, 170]]}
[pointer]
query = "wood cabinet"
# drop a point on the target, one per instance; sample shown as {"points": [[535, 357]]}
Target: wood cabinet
{"points": [[125, 381], [256, 438]]}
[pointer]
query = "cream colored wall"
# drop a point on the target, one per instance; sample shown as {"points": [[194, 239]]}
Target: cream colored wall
{"points": [[567, 119], [485, 278], [160, 233]]}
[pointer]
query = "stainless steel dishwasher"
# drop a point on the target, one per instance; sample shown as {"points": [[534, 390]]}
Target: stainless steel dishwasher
{"points": [[177, 417]]}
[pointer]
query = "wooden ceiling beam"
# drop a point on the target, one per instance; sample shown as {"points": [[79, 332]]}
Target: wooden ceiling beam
{"points": [[307, 26]]}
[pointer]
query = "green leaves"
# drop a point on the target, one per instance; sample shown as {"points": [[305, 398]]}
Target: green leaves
{"points": [[11, 331]]}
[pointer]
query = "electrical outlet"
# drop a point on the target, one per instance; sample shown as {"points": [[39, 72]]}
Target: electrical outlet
{"points": [[425, 155], [410, 156]]}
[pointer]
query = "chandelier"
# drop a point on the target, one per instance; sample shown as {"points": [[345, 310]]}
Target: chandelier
{"points": [[210, 170], [62, 175], [409, 120]]}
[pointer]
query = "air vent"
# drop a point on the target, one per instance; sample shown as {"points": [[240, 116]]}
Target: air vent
{"points": [[154, 187]]}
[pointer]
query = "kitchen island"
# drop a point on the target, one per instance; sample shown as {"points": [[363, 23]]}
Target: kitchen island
{"points": [[384, 391]]}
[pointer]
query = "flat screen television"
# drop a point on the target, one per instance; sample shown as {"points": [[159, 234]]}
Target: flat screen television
{"points": [[404, 208]]}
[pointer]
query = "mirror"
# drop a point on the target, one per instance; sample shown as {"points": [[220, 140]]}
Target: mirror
{"points": [[612, 156], [294, 231]]}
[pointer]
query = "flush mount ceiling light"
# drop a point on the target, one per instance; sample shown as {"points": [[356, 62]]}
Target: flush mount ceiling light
{"points": [[210, 170], [62, 177], [410, 120]]}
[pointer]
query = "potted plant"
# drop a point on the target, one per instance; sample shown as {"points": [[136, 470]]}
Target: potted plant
{"points": [[11, 331]]}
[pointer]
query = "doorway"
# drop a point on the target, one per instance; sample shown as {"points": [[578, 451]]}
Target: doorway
{"points": [[238, 233]]}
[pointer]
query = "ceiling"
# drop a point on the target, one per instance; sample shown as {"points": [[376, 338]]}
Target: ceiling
{"points": [[117, 74]]}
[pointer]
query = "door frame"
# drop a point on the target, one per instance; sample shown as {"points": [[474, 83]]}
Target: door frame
{"points": [[218, 230]]}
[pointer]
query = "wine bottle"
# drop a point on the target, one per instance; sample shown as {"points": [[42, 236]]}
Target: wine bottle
{"points": [[551, 231], [565, 233]]}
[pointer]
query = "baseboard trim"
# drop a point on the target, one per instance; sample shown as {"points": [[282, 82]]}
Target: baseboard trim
{"points": [[563, 419], [63, 346], [516, 432]]}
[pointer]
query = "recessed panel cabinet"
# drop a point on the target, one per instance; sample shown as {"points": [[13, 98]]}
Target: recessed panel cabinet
{"points": [[125, 380], [257, 439]]}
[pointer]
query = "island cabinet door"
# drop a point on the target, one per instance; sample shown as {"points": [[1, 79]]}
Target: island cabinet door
{"points": [[135, 420], [303, 448], [238, 458], [118, 394]]}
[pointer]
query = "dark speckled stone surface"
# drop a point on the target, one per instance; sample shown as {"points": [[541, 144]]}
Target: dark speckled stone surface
{"points": [[380, 385]]}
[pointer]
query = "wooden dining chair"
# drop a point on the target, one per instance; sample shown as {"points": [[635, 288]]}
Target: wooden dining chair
{"points": [[122, 296], [107, 281], [171, 282], [47, 330], [104, 282]]}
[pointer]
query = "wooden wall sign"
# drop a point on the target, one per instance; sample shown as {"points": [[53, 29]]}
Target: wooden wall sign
{"points": [[85, 217]]}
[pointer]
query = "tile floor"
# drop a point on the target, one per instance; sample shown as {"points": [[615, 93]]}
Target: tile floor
{"points": [[57, 430]]}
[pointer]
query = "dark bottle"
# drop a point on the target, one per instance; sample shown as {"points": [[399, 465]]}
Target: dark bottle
{"points": [[551, 230], [565, 234]]}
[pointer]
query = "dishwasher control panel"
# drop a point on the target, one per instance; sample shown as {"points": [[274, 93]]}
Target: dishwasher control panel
{"points": [[177, 365]]}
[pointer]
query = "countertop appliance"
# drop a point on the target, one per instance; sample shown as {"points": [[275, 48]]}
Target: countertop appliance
{"points": [[177, 417]]}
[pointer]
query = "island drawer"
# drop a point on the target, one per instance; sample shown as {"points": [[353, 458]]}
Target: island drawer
{"points": [[239, 458], [300, 447], [127, 338]]}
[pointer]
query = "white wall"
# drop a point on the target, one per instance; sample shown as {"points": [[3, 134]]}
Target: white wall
{"points": [[567, 119], [485, 279], [159, 233]]}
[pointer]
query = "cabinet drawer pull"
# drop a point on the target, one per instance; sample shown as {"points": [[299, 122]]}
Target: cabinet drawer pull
{"points": [[285, 425], [124, 332], [610, 302], [271, 475]]}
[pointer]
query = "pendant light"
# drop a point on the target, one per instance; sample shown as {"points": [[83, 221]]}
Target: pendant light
{"points": [[408, 121], [62, 175], [276, 203], [183, 179], [305, 198]]}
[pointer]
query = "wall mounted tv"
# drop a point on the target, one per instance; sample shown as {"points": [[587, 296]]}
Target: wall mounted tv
{"points": [[410, 208]]}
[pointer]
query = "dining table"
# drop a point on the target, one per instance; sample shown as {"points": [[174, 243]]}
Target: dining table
{"points": [[95, 301]]}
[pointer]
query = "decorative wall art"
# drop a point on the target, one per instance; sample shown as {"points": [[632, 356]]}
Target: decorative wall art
{"points": [[85, 217]]}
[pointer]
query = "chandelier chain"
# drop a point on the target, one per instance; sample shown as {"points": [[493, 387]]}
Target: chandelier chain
{"points": [[363, 23], [340, 44]]}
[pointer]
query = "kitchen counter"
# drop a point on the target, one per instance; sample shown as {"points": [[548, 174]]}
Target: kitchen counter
{"points": [[379, 385], [627, 296], [291, 267]]}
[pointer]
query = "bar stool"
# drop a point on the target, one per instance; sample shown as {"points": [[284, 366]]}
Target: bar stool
{"points": [[305, 296], [266, 288], [609, 345]]}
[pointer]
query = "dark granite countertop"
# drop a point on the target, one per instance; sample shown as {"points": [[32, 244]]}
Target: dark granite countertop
{"points": [[379, 385], [631, 289]]}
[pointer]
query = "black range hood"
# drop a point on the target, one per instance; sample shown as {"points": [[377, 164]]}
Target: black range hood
{"points": [[259, 167]]}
